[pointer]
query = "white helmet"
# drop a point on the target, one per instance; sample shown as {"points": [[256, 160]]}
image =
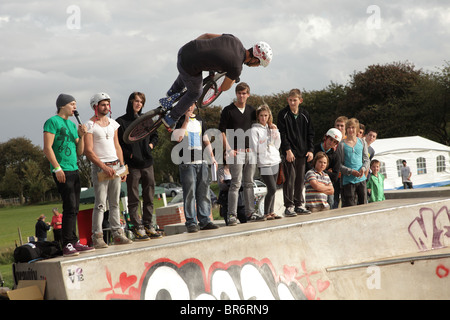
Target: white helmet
{"points": [[263, 52], [96, 98], [335, 134]]}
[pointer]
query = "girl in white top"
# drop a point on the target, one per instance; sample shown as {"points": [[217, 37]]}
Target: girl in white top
{"points": [[265, 142]]}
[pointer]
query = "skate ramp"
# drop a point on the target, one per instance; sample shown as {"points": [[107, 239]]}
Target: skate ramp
{"points": [[396, 249]]}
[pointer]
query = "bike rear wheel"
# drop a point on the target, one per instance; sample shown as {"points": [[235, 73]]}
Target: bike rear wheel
{"points": [[143, 126], [211, 90]]}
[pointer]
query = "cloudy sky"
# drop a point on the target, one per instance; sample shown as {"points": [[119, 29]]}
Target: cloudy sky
{"points": [[81, 47]]}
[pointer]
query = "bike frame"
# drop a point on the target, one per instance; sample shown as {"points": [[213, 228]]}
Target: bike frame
{"points": [[151, 120]]}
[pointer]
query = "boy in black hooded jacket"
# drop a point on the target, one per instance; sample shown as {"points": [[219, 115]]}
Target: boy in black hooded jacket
{"points": [[138, 157]]}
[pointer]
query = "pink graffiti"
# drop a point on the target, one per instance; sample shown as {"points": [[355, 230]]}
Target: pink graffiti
{"points": [[245, 279], [429, 228]]}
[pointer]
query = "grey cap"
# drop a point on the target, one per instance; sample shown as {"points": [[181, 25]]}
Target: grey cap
{"points": [[64, 99]]}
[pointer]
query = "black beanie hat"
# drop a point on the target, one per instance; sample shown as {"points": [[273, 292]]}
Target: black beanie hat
{"points": [[63, 99]]}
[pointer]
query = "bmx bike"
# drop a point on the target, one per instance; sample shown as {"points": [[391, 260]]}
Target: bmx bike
{"points": [[151, 120]]}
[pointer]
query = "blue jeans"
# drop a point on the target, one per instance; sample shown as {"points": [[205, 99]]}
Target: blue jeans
{"points": [[194, 86], [195, 181]]}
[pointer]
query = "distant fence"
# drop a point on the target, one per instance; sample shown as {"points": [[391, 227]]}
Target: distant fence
{"points": [[10, 201]]}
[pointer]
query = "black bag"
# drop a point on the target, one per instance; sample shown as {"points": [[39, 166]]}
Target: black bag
{"points": [[36, 251]]}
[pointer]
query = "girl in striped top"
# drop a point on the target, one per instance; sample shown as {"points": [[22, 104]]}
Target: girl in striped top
{"points": [[318, 184]]}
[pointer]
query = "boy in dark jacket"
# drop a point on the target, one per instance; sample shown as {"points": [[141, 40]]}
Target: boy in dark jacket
{"points": [[297, 146], [138, 157]]}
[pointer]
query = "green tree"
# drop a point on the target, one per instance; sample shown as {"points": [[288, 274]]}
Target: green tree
{"points": [[15, 153], [433, 96], [11, 185], [36, 183], [165, 170], [383, 97], [322, 106]]}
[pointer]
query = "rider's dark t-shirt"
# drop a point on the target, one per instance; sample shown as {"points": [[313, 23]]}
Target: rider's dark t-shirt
{"points": [[222, 54]]}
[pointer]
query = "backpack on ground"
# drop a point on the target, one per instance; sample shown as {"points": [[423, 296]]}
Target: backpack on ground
{"points": [[37, 251]]}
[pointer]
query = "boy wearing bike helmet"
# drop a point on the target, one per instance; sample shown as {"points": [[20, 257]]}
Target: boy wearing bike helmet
{"points": [[102, 148], [210, 52]]}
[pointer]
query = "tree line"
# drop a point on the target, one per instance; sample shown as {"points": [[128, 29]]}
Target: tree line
{"points": [[395, 99]]}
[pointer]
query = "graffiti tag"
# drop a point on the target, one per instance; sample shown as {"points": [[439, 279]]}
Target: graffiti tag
{"points": [[247, 279], [430, 230]]}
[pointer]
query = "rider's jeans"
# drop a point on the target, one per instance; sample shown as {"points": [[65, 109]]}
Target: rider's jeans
{"points": [[194, 86], [197, 202], [107, 191]]}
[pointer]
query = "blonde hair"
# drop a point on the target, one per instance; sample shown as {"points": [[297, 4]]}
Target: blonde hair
{"points": [[353, 122], [295, 93], [265, 107], [341, 119]]}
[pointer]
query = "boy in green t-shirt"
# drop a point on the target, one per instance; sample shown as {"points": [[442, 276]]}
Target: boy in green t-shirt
{"points": [[63, 142], [375, 184]]}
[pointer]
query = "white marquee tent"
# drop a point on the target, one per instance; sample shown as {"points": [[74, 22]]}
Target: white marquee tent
{"points": [[429, 161]]}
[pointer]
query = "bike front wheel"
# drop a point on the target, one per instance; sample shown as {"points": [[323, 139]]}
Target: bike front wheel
{"points": [[211, 90], [143, 126]]}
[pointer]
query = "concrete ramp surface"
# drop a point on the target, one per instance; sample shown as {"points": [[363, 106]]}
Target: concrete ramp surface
{"points": [[396, 249]]}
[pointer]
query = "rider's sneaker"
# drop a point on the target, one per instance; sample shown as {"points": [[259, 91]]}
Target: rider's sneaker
{"points": [[168, 122], [167, 102]]}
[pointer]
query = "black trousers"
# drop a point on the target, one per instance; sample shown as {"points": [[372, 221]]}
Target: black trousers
{"points": [[295, 182], [354, 194], [70, 194]]}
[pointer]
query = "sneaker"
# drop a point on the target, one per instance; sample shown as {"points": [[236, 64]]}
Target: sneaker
{"points": [[255, 218], [289, 212], [119, 237], [232, 221], [273, 216], [167, 102], [69, 251], [209, 226], [301, 211], [82, 248], [168, 122], [152, 233], [98, 242], [192, 228], [140, 234]]}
